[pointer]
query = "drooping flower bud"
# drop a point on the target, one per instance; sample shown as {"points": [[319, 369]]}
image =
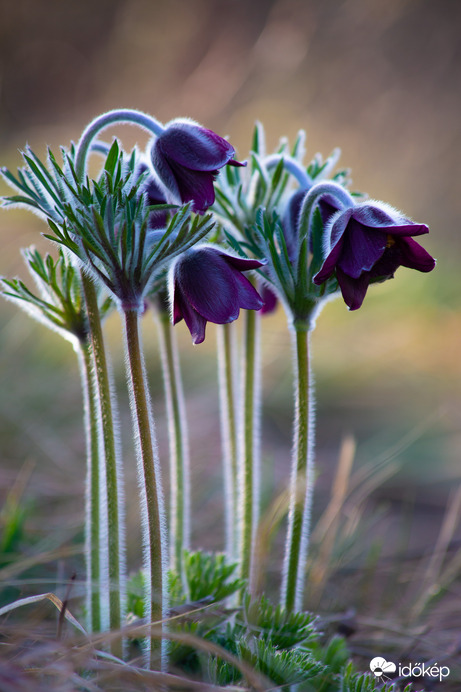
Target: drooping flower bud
{"points": [[187, 157]]}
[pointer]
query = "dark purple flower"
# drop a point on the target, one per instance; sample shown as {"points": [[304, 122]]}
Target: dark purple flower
{"points": [[368, 242], [208, 286], [187, 159]]}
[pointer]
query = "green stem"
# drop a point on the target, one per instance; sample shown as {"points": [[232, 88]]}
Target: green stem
{"points": [[249, 455], [228, 407], [301, 479], [92, 514], [179, 447], [112, 471], [149, 480]]}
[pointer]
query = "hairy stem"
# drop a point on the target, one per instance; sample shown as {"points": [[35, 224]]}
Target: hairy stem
{"points": [[114, 117], [179, 445], [301, 479], [249, 435], [92, 513], [228, 408], [149, 481], [115, 556]]}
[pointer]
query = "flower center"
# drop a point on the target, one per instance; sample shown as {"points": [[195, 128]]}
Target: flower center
{"points": [[390, 241]]}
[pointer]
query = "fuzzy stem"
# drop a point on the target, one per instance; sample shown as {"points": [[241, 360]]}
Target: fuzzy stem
{"points": [[179, 445], [92, 513], [149, 481], [301, 478], [249, 454], [311, 200], [115, 555], [228, 408], [114, 117]]}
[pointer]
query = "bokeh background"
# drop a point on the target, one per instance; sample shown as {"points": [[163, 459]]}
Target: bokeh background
{"points": [[379, 79]]}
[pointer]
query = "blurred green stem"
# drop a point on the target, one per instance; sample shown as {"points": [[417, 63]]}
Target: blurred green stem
{"points": [[93, 538], [228, 408], [249, 454], [149, 481], [301, 478], [112, 464], [179, 444]]}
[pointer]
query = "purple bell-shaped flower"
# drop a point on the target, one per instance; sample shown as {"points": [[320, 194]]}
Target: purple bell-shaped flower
{"points": [[368, 242], [207, 285], [187, 159]]}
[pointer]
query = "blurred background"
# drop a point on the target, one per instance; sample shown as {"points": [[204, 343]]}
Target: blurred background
{"points": [[379, 79]]}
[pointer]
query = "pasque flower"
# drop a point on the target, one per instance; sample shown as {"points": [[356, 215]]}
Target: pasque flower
{"points": [[187, 159], [207, 285], [368, 242]]}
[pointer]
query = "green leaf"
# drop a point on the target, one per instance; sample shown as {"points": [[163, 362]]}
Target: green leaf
{"points": [[112, 159]]}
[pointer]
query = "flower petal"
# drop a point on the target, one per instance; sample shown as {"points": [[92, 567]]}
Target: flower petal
{"points": [[414, 256], [241, 263], [329, 264], [353, 290], [248, 296], [207, 283], [362, 248], [194, 321], [373, 217], [194, 147]]}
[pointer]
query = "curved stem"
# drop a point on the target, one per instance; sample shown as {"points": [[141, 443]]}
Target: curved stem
{"points": [[149, 482], [312, 198], [249, 454], [292, 166], [117, 116], [92, 513], [301, 478], [115, 554], [228, 408], [179, 445]]}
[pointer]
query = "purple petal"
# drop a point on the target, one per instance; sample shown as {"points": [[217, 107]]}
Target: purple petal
{"points": [[353, 290], [362, 248], [194, 147], [329, 264], [248, 296], [242, 263], [164, 170], [376, 218], [207, 283], [415, 257], [194, 321]]}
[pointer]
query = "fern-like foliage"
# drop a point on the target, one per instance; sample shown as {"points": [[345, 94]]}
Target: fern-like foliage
{"points": [[283, 667], [273, 624], [209, 576]]}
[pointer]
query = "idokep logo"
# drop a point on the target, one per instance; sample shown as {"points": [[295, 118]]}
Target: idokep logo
{"points": [[382, 669]]}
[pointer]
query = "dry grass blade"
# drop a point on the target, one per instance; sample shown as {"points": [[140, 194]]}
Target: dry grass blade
{"points": [[42, 597], [431, 581], [326, 529]]}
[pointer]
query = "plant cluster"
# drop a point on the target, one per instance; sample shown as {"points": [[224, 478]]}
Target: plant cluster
{"points": [[187, 232]]}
